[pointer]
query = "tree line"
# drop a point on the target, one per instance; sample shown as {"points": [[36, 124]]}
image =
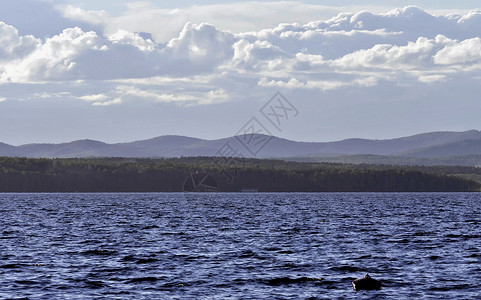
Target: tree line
{"points": [[227, 174]]}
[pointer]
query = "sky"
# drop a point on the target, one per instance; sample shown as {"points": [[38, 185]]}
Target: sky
{"points": [[120, 71]]}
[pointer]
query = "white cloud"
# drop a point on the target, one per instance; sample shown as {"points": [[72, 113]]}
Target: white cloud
{"points": [[205, 65], [202, 97], [108, 103], [75, 54], [99, 99], [13, 46], [432, 78], [323, 85], [198, 48], [165, 24], [259, 50], [464, 52], [94, 98], [88, 16], [123, 37], [413, 55], [55, 59]]}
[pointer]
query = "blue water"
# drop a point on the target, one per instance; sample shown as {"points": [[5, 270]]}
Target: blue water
{"points": [[239, 246]]}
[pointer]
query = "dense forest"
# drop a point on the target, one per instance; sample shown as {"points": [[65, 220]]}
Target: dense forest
{"points": [[224, 175]]}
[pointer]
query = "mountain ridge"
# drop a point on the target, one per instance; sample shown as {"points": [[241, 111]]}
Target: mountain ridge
{"points": [[424, 145]]}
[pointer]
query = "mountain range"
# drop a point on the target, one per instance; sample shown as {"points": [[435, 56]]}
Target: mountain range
{"points": [[452, 148]]}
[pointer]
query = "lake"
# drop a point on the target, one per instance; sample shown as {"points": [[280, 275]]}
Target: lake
{"points": [[239, 246]]}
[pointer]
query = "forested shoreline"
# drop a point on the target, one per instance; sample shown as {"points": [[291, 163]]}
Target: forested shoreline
{"points": [[228, 174]]}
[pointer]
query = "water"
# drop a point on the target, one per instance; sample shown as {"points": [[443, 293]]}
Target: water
{"points": [[239, 246]]}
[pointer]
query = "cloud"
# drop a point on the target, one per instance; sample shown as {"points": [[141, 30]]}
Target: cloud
{"points": [[100, 99], [257, 55], [204, 64], [12, 45], [198, 48], [88, 16], [123, 37], [108, 103], [97, 97], [78, 55], [94, 98], [55, 59], [432, 78], [464, 52], [416, 54], [324, 85], [412, 21], [165, 24], [202, 97]]}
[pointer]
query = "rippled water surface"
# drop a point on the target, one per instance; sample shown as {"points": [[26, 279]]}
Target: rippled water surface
{"points": [[249, 246]]}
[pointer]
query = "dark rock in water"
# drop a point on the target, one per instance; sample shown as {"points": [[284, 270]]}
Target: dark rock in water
{"points": [[366, 283]]}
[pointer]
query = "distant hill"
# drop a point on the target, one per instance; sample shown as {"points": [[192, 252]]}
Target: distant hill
{"points": [[394, 146], [165, 142], [80, 148], [460, 148], [426, 148], [6, 149], [162, 146]]}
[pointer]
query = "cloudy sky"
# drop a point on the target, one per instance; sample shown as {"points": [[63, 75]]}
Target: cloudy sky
{"points": [[128, 70]]}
